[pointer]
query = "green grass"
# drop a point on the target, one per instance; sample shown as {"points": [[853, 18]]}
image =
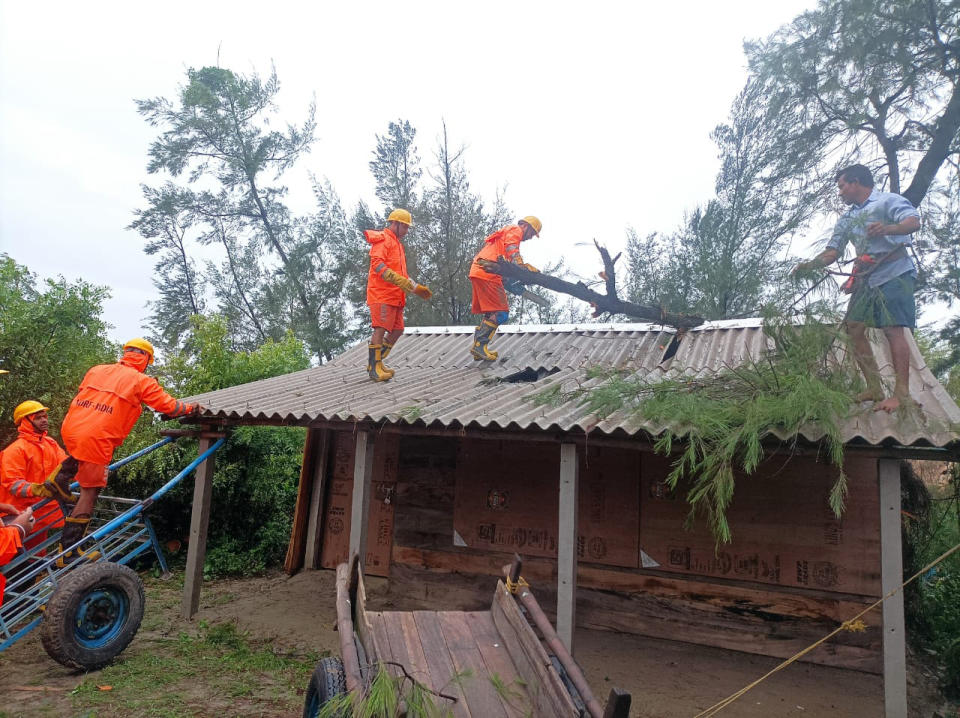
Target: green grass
{"points": [[183, 675]]}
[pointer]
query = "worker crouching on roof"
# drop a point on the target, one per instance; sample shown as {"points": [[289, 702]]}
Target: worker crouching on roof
{"points": [[100, 417], [489, 296], [387, 284], [30, 460]]}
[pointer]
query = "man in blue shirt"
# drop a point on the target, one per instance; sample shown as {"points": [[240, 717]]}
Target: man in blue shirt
{"points": [[879, 225]]}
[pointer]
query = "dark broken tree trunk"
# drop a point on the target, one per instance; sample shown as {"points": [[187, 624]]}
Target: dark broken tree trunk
{"points": [[608, 303]]}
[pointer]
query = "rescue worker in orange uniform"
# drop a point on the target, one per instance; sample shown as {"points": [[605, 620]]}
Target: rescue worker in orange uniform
{"points": [[14, 528], [100, 417], [30, 460], [489, 296], [387, 282]]}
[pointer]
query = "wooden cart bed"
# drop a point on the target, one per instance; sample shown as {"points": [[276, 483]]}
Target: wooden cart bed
{"points": [[491, 662]]}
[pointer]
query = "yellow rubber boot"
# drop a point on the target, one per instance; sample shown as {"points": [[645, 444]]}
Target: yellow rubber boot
{"points": [[387, 346], [481, 337], [74, 529], [375, 364]]}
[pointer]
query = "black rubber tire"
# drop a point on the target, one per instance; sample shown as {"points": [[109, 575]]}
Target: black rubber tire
{"points": [[61, 630], [328, 681]]}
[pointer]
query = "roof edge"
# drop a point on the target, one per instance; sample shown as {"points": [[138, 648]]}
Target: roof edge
{"points": [[750, 323]]}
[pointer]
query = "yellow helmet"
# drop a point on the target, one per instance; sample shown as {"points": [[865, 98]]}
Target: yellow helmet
{"points": [[402, 216], [142, 345], [533, 222], [26, 409]]}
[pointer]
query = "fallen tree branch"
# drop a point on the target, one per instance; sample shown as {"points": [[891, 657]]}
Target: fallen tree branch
{"points": [[608, 303]]}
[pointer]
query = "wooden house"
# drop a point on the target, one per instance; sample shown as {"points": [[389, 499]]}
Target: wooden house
{"points": [[451, 467]]}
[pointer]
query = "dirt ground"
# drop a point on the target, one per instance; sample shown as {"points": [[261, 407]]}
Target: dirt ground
{"points": [[296, 615]]}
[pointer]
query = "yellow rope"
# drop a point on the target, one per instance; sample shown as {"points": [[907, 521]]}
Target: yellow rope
{"points": [[853, 624], [512, 587]]}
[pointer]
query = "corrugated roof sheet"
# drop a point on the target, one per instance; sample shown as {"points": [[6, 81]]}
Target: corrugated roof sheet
{"points": [[439, 384]]}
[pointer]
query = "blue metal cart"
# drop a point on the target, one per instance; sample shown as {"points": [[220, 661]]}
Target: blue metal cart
{"points": [[89, 611]]}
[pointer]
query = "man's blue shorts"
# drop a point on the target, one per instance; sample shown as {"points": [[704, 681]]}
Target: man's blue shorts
{"points": [[889, 305]]}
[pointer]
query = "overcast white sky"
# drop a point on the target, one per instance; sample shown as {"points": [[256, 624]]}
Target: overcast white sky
{"points": [[596, 116]]}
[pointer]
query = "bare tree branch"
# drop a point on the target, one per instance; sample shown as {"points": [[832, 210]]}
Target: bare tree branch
{"points": [[608, 303]]}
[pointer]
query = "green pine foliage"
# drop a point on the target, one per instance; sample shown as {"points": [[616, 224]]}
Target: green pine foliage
{"points": [[718, 425], [390, 696]]}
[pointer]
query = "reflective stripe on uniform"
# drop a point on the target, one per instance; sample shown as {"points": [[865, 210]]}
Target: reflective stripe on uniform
{"points": [[21, 489]]}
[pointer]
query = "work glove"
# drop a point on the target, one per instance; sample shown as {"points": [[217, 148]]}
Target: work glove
{"points": [[196, 410], [530, 268], [422, 292], [50, 489], [405, 283]]}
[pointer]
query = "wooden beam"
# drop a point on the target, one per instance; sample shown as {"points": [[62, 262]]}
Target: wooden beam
{"points": [[567, 532], [891, 576], [199, 523], [311, 557], [298, 531], [360, 510]]}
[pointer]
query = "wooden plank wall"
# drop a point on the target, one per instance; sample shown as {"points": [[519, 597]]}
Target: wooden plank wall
{"points": [[744, 608], [784, 532], [506, 499], [336, 521]]}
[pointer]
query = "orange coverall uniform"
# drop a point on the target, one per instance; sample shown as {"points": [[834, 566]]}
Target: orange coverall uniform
{"points": [[386, 300], [488, 292], [10, 542], [31, 459], [105, 410]]}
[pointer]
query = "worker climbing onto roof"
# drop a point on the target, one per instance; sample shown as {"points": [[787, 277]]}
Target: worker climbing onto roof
{"points": [[387, 283], [100, 417], [30, 460], [879, 224], [489, 295]]}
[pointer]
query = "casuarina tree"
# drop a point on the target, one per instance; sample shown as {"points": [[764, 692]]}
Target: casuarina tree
{"points": [[219, 134]]}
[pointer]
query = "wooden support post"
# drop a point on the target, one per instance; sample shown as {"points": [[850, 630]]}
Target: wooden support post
{"points": [[199, 521], [315, 522], [567, 545], [891, 576], [360, 510]]}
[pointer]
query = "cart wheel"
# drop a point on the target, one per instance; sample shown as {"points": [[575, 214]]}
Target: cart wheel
{"points": [[327, 681], [93, 615]]}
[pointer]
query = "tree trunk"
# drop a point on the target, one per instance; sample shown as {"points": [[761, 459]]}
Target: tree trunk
{"points": [[944, 135]]}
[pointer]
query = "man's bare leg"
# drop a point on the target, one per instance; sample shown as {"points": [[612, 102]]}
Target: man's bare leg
{"points": [[377, 337], [900, 353], [393, 336], [863, 354], [86, 502]]}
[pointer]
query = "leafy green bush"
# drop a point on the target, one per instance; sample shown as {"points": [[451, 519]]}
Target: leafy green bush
{"points": [[934, 612], [51, 332]]}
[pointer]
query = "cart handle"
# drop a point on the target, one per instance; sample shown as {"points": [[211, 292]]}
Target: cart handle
{"points": [[130, 513]]}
